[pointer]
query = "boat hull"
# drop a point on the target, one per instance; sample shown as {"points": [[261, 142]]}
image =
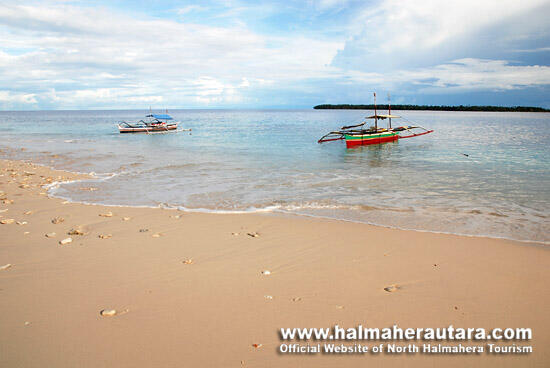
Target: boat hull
{"points": [[149, 129], [354, 140]]}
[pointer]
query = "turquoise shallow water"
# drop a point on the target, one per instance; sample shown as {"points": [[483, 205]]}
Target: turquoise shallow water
{"points": [[268, 160]]}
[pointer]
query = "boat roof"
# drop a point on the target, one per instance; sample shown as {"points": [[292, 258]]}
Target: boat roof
{"points": [[160, 116], [383, 116]]}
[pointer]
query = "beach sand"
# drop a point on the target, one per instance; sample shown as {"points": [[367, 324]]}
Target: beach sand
{"points": [[189, 291]]}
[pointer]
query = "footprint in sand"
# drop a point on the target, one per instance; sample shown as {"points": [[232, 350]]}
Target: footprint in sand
{"points": [[391, 288]]}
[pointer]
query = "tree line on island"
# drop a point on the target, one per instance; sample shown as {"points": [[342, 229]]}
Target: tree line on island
{"points": [[432, 108]]}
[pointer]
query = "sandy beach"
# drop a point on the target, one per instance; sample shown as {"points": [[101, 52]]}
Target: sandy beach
{"points": [[190, 289]]}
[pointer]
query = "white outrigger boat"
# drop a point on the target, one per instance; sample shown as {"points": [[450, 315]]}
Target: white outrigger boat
{"points": [[156, 123]]}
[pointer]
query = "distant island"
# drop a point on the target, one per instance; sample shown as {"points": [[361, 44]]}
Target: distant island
{"points": [[433, 108]]}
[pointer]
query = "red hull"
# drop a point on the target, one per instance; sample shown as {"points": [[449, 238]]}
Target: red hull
{"points": [[366, 142]]}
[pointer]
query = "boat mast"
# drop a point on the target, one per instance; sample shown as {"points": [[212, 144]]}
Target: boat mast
{"points": [[375, 114], [389, 109]]}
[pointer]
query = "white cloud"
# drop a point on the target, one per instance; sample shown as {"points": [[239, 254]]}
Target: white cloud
{"points": [[11, 100], [92, 52], [476, 74], [396, 25], [68, 56]]}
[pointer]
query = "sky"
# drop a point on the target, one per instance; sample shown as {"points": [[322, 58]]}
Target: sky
{"points": [[57, 55]]}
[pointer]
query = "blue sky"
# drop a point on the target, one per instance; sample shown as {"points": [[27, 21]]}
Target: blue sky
{"points": [[273, 54]]}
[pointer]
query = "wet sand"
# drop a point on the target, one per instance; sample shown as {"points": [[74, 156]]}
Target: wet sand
{"points": [[190, 289]]}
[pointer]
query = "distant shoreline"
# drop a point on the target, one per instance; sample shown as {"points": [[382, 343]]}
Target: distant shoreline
{"points": [[433, 108]]}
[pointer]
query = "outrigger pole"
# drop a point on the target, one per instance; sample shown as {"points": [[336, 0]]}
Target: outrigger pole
{"points": [[375, 114], [389, 109]]}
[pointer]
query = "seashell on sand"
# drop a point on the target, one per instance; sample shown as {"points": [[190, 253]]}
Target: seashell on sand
{"points": [[108, 312], [57, 220], [66, 241], [112, 312], [75, 232], [391, 288]]}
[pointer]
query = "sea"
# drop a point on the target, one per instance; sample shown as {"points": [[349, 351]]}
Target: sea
{"points": [[478, 174]]}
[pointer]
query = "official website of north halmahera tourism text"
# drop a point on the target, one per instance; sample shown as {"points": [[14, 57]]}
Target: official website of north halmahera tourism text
{"points": [[440, 340]]}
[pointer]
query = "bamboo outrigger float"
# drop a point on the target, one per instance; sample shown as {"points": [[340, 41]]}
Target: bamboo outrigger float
{"points": [[356, 135]]}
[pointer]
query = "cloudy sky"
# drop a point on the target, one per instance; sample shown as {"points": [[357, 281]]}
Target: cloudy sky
{"points": [[277, 54]]}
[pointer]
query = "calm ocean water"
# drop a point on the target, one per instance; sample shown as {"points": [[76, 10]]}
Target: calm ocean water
{"points": [[269, 160]]}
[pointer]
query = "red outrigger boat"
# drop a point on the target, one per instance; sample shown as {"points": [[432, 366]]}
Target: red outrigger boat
{"points": [[355, 135], [157, 123]]}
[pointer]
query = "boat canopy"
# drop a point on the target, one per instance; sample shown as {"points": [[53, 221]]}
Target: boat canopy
{"points": [[160, 116], [383, 117]]}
